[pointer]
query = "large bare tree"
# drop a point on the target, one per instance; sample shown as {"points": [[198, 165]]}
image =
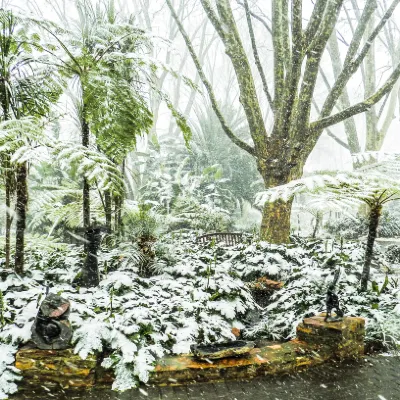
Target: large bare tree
{"points": [[281, 152]]}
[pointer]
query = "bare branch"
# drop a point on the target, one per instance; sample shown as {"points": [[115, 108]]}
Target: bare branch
{"points": [[256, 55], [344, 99], [213, 17], [279, 54], [351, 65], [206, 83], [330, 133], [257, 17], [240, 62], [359, 107], [314, 52], [315, 20]]}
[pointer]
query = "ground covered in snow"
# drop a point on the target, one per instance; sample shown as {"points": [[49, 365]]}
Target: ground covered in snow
{"points": [[194, 294]]}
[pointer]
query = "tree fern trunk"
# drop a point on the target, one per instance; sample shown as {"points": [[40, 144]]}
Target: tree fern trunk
{"points": [[9, 186], [118, 214], [22, 201], [317, 223], [118, 202], [108, 209], [86, 186], [8, 221], [374, 215], [8, 177]]}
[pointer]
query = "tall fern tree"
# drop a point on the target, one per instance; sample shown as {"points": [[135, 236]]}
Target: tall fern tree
{"points": [[106, 57], [27, 89], [88, 50]]}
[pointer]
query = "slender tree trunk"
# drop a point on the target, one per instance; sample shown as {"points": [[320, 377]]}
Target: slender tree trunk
{"points": [[22, 201], [8, 180], [318, 219], [117, 213], [108, 209], [371, 119], [8, 225], [8, 185], [119, 204], [374, 215], [86, 186]]}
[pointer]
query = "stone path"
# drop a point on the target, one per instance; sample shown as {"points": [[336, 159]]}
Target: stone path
{"points": [[375, 378]]}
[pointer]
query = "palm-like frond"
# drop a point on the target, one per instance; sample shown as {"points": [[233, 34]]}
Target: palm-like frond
{"points": [[96, 166], [341, 190], [53, 206], [25, 140]]}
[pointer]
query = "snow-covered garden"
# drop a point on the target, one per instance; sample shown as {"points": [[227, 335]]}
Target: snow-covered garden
{"points": [[131, 132], [195, 294]]}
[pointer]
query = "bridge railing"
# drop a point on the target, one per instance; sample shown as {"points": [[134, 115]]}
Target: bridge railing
{"points": [[229, 238]]}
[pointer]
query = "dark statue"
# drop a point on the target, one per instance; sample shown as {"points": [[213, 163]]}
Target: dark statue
{"points": [[332, 301], [51, 329]]}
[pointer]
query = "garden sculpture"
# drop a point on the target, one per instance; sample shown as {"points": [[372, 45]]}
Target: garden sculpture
{"points": [[51, 329], [332, 301]]}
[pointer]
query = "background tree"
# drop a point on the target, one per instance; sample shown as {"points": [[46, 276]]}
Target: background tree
{"points": [[282, 151], [27, 89], [377, 120]]}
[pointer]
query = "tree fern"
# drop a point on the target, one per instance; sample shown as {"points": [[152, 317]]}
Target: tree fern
{"points": [[370, 186]]}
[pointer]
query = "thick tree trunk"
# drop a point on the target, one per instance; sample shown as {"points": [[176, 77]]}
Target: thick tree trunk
{"points": [[86, 186], [374, 215], [22, 201], [275, 224]]}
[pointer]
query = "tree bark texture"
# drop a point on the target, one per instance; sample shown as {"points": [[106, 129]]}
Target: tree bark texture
{"points": [[9, 183], [374, 216], [21, 205], [86, 186], [275, 223], [90, 271], [117, 214], [8, 225]]}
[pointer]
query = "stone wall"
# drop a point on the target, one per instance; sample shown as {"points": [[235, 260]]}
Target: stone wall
{"points": [[317, 341]]}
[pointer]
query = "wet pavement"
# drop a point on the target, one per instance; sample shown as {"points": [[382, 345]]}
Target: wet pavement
{"points": [[374, 378]]}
